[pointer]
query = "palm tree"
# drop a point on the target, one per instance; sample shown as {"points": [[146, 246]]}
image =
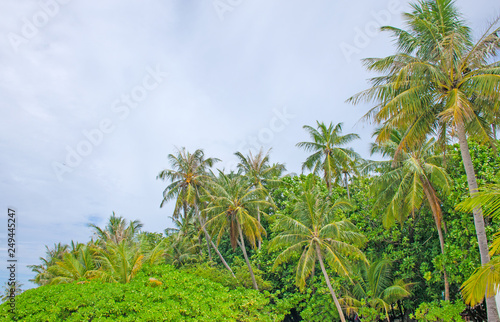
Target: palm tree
{"points": [[11, 289], [375, 289], [75, 265], [183, 241], [312, 231], [260, 173], [439, 81], [43, 275], [119, 262], [117, 229], [486, 279], [409, 180], [186, 179], [232, 208], [329, 156]]}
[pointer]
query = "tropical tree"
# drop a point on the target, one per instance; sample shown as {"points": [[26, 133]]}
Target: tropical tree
{"points": [[43, 276], [486, 279], [408, 181], [183, 241], [329, 156], [376, 290], [117, 229], [119, 262], [260, 173], [440, 81], [11, 289], [186, 179], [75, 265], [313, 232], [232, 208]]}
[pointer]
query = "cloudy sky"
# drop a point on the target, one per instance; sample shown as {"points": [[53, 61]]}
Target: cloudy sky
{"points": [[96, 94]]}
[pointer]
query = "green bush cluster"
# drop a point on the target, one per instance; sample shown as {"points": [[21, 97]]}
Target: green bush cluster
{"points": [[180, 297]]}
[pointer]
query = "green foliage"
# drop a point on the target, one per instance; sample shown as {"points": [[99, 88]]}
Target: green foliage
{"points": [[439, 311], [243, 279], [180, 297]]}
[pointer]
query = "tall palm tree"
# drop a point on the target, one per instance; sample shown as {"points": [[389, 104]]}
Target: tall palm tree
{"points": [[330, 157], [232, 208], [409, 180], [486, 279], [260, 173], [439, 81], [186, 179], [376, 289], [313, 232]]}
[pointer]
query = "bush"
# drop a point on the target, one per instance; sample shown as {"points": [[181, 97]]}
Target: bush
{"points": [[179, 297], [439, 311]]}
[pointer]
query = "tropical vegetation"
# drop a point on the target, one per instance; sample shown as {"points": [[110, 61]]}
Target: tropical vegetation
{"points": [[414, 236]]}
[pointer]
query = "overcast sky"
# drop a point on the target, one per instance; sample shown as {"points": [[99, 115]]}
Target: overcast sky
{"points": [[96, 94]]}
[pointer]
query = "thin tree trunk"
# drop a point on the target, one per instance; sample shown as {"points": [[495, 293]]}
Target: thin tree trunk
{"points": [[207, 237], [482, 241], [259, 240], [221, 258], [243, 249], [347, 186], [209, 240], [437, 214], [327, 279]]}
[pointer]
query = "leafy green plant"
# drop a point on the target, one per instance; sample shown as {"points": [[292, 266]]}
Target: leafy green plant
{"points": [[444, 311], [173, 296]]}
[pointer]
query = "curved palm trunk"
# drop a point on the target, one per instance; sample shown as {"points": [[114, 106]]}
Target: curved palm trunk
{"points": [[210, 242], [327, 279], [438, 215], [478, 215], [243, 249]]}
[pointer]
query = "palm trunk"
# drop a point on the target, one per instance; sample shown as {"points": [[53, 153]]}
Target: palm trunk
{"points": [[259, 240], [221, 258], [482, 241], [347, 186], [243, 249], [438, 216], [209, 240], [207, 236], [327, 279]]}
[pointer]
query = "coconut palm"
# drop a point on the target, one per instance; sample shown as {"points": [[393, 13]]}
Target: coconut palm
{"points": [[486, 279], [186, 179], [43, 276], [183, 241], [375, 289], [75, 265], [439, 81], [117, 229], [260, 173], [313, 232], [407, 182], [330, 157], [119, 262], [11, 289], [232, 208]]}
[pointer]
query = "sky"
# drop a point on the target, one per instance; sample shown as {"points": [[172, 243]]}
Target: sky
{"points": [[96, 94]]}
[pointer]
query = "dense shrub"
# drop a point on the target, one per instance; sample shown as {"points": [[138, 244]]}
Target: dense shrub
{"points": [[179, 297]]}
